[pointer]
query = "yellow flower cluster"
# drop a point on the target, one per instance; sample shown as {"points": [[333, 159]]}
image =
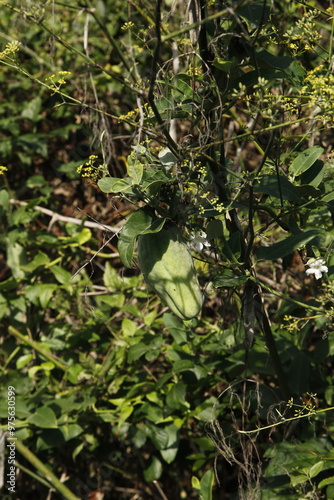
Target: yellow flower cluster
{"points": [[88, 169], [292, 325], [3, 169], [194, 71], [304, 35], [127, 26], [319, 89], [132, 115], [11, 48], [213, 200], [57, 80]]}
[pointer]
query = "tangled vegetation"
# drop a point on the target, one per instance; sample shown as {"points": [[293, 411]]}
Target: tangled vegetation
{"points": [[210, 120]]}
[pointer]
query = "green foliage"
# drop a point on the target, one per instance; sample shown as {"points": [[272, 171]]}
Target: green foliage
{"points": [[215, 120]]}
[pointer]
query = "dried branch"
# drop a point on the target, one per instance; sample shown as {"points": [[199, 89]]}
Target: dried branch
{"points": [[58, 217]]}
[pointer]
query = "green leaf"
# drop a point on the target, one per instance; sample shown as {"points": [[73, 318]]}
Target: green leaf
{"points": [[228, 278], [158, 436], [255, 12], [195, 483], [136, 351], [299, 479], [61, 275], [70, 431], [140, 222], [40, 293], [16, 258], [275, 186], [4, 202], [154, 470], [287, 246], [167, 158], [135, 170], [314, 175], [44, 418], [176, 398], [41, 259], [129, 327], [207, 485], [326, 482], [305, 160], [32, 110], [22, 361], [316, 469], [115, 185], [170, 452]]}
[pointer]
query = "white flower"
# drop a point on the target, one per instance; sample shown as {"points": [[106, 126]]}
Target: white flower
{"points": [[198, 241], [316, 267]]}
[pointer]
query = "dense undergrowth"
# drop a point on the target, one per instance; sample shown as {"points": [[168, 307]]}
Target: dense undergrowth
{"points": [[119, 118]]}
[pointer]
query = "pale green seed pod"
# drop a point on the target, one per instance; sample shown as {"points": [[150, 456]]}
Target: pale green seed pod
{"points": [[168, 268]]}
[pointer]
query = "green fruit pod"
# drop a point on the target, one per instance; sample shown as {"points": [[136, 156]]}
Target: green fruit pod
{"points": [[168, 268]]}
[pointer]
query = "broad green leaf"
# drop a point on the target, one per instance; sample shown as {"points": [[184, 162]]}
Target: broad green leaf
{"points": [[115, 185], [125, 413], [44, 417], [45, 292], [228, 278], [115, 300], [316, 469], [287, 246], [328, 197], [32, 110], [314, 175], [129, 327], [195, 483], [136, 351], [16, 258], [111, 278], [299, 479], [307, 191], [61, 275], [73, 373], [46, 367], [182, 365], [84, 236], [275, 186], [170, 452], [166, 157], [158, 436], [326, 482], [70, 431], [207, 485], [305, 160], [176, 398], [154, 470], [41, 259], [4, 201], [177, 329], [9, 284], [140, 222], [135, 170], [254, 12], [22, 361]]}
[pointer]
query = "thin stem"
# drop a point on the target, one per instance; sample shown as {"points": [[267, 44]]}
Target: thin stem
{"points": [[45, 471], [171, 143], [38, 348]]}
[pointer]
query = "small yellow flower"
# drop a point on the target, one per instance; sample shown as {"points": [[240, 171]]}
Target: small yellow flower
{"points": [[127, 26], [11, 48], [3, 169]]}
